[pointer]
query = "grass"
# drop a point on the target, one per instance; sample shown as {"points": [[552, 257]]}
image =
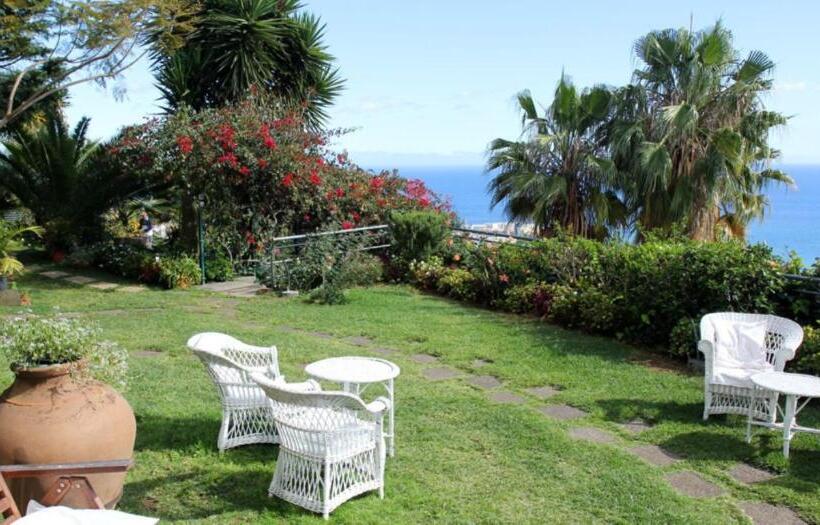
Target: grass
{"points": [[460, 458]]}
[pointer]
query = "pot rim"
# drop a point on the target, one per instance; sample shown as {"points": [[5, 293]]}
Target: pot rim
{"points": [[45, 371]]}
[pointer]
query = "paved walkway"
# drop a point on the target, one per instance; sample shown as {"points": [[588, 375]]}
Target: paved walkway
{"points": [[78, 279], [686, 482]]}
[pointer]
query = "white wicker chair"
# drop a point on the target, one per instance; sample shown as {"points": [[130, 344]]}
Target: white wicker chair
{"points": [[332, 445], [782, 339], [246, 412]]}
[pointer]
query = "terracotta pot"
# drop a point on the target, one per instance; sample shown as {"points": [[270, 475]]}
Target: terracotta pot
{"points": [[48, 417]]}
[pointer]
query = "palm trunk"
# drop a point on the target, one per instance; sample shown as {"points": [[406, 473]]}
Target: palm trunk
{"points": [[704, 218]]}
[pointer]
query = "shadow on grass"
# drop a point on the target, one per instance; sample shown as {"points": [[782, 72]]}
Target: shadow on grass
{"points": [[623, 410], [169, 433]]}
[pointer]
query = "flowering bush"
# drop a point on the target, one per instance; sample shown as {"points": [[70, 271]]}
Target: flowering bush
{"points": [[30, 341], [263, 173]]}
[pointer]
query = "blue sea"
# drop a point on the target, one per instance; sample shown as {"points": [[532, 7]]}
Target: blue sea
{"points": [[792, 221]]}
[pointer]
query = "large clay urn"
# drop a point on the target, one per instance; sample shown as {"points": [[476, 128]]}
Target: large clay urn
{"points": [[46, 416]]}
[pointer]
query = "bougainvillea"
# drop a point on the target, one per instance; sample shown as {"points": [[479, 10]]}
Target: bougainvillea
{"points": [[263, 173]]}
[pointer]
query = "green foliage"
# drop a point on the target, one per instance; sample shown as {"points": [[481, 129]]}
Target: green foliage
{"points": [[426, 274], [457, 283], [684, 338], [364, 269], [416, 235], [31, 341], [123, 258], [218, 267], [179, 272], [585, 307], [264, 44], [808, 355], [11, 240]]}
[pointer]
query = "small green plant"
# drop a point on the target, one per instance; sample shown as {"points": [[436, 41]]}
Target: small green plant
{"points": [[417, 235], [179, 272], [10, 242], [30, 341], [218, 267], [808, 355], [364, 269], [683, 338]]}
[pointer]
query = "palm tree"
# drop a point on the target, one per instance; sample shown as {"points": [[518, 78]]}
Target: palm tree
{"points": [[690, 134], [238, 44], [558, 174], [53, 172]]}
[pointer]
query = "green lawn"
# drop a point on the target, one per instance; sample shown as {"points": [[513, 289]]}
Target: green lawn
{"points": [[460, 458]]}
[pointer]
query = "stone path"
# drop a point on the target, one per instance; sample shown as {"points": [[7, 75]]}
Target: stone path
{"points": [[506, 398], [593, 435], [542, 392], [693, 485], [748, 474], [84, 280], [440, 373], [562, 412], [766, 514], [655, 455], [240, 287], [485, 382], [636, 426]]}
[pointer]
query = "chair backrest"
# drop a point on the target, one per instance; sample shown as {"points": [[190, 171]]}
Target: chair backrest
{"points": [[781, 333], [298, 413], [230, 362]]}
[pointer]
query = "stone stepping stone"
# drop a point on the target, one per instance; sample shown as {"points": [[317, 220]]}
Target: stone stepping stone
{"points": [[424, 359], [439, 374], [636, 426], [562, 412], [132, 289], [766, 514], [321, 335], [693, 485], [506, 398], [654, 455], [103, 286], [80, 279], [385, 352], [592, 434], [478, 363], [359, 341], [542, 392], [54, 274], [748, 474], [288, 329], [485, 382]]}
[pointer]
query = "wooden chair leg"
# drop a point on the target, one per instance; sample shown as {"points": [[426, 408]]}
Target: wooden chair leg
{"points": [[65, 484], [8, 509]]}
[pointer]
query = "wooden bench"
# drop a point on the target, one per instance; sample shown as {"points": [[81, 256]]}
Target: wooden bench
{"points": [[72, 477]]}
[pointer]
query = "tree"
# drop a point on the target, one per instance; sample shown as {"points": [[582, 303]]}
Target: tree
{"points": [[558, 175], [237, 45], [690, 134], [48, 46], [60, 176]]}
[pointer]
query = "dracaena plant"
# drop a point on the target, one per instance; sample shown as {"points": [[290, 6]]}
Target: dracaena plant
{"points": [[11, 241]]}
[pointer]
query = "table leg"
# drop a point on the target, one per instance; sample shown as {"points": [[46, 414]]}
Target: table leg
{"points": [[788, 421], [392, 419]]}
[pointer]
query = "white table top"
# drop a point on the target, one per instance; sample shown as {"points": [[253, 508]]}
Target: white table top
{"points": [[794, 384], [352, 369]]}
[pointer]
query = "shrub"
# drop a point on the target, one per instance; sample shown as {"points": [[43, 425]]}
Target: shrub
{"points": [[218, 267], [179, 272], [684, 337], [30, 341], [584, 307], [417, 235], [426, 273], [364, 269], [457, 283], [808, 355]]}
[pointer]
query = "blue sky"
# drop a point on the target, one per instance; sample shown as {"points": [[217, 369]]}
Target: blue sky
{"points": [[432, 82]]}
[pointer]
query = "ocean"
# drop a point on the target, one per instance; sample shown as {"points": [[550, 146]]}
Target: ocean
{"points": [[792, 221]]}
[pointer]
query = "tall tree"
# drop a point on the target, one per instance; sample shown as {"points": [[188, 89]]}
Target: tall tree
{"points": [[691, 133], [558, 174], [48, 46], [237, 44]]}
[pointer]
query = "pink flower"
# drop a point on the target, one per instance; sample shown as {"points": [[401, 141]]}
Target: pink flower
{"points": [[340, 192], [347, 225], [186, 145], [244, 170], [504, 278], [315, 179], [376, 183], [287, 181]]}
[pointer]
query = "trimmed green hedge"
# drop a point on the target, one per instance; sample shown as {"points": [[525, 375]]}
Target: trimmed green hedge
{"points": [[651, 294]]}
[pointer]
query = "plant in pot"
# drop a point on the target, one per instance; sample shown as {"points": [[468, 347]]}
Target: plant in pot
{"points": [[61, 407], [11, 237]]}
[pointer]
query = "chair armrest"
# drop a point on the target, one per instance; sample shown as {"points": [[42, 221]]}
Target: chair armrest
{"points": [[305, 386], [379, 406], [706, 348]]}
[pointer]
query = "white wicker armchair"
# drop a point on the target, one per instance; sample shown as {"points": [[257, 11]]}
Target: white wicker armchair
{"points": [[728, 389], [332, 445], [246, 412]]}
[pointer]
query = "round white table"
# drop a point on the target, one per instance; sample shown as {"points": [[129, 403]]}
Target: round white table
{"points": [[355, 374], [793, 387]]}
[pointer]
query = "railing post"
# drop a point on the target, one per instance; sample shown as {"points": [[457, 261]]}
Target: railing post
{"points": [[201, 229]]}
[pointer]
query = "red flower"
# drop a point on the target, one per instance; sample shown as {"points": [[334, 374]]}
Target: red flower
{"points": [[228, 158], [376, 183], [320, 161], [262, 163], [381, 203], [356, 216], [347, 225], [251, 240], [244, 170], [269, 142], [340, 192], [288, 180], [186, 145], [315, 179], [424, 202]]}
